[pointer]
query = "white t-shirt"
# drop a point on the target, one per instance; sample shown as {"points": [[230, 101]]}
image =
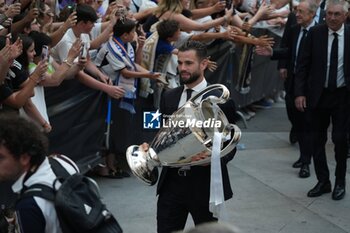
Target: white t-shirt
{"points": [[114, 65], [60, 51], [45, 175], [95, 32]]}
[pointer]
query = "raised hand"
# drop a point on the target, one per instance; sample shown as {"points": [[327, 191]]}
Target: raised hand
{"points": [[141, 41], [32, 14], [13, 10], [219, 6], [74, 51], [247, 27], [115, 92], [154, 75], [264, 11], [263, 50], [39, 71], [212, 65], [265, 41], [16, 48], [71, 20]]}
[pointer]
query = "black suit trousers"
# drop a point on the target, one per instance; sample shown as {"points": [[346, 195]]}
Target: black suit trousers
{"points": [[332, 107], [184, 195], [301, 126]]}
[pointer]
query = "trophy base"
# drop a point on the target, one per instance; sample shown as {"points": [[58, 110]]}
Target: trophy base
{"points": [[141, 164]]}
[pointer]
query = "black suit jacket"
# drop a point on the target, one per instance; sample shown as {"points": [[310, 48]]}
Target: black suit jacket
{"points": [[287, 39], [287, 51], [169, 104], [292, 19], [312, 70], [286, 55]]}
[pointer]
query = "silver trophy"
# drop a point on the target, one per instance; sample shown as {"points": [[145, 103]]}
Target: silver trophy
{"points": [[186, 137]]}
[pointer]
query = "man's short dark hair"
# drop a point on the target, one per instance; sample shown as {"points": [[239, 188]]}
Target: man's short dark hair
{"points": [[200, 48], [20, 136], [122, 27], [167, 28], [86, 13]]}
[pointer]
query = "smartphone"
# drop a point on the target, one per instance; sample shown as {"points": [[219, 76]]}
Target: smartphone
{"points": [[228, 4], [45, 53], [38, 4], [83, 50], [139, 29]]}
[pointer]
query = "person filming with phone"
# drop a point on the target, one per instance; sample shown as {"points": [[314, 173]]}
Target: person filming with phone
{"points": [[38, 53]]}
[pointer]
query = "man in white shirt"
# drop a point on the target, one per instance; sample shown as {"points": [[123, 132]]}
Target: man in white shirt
{"points": [[322, 84], [86, 17]]}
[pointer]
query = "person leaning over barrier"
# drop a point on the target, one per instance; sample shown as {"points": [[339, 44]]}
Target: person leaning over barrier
{"points": [[86, 16]]}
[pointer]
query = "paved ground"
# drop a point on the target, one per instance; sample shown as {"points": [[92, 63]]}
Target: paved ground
{"points": [[268, 195]]}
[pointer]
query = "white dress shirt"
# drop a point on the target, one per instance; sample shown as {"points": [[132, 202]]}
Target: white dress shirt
{"points": [[198, 88], [340, 73]]}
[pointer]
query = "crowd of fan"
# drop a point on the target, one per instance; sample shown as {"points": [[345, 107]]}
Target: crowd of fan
{"points": [[126, 49]]}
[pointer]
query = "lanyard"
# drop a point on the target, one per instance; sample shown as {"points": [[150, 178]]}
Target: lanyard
{"points": [[126, 53]]}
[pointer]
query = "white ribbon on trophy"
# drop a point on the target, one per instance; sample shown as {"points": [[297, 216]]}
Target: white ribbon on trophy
{"points": [[216, 201]]}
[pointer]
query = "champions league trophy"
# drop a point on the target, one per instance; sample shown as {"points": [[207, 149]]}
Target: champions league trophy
{"points": [[186, 137]]}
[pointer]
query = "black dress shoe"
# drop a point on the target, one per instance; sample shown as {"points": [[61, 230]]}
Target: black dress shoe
{"points": [[304, 171], [297, 164], [319, 189], [292, 137], [338, 192]]}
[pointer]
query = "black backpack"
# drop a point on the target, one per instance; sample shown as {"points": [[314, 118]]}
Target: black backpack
{"points": [[77, 201]]}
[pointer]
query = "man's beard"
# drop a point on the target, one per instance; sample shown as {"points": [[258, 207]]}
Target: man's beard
{"points": [[193, 78]]}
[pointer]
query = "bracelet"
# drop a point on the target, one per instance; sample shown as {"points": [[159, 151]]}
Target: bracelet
{"points": [[68, 63], [30, 78]]}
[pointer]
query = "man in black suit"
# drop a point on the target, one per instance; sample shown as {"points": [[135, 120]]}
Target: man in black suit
{"points": [[186, 190], [289, 55], [322, 85], [319, 18]]}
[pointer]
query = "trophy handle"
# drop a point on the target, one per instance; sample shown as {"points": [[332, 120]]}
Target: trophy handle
{"points": [[143, 164], [234, 139], [214, 99]]}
